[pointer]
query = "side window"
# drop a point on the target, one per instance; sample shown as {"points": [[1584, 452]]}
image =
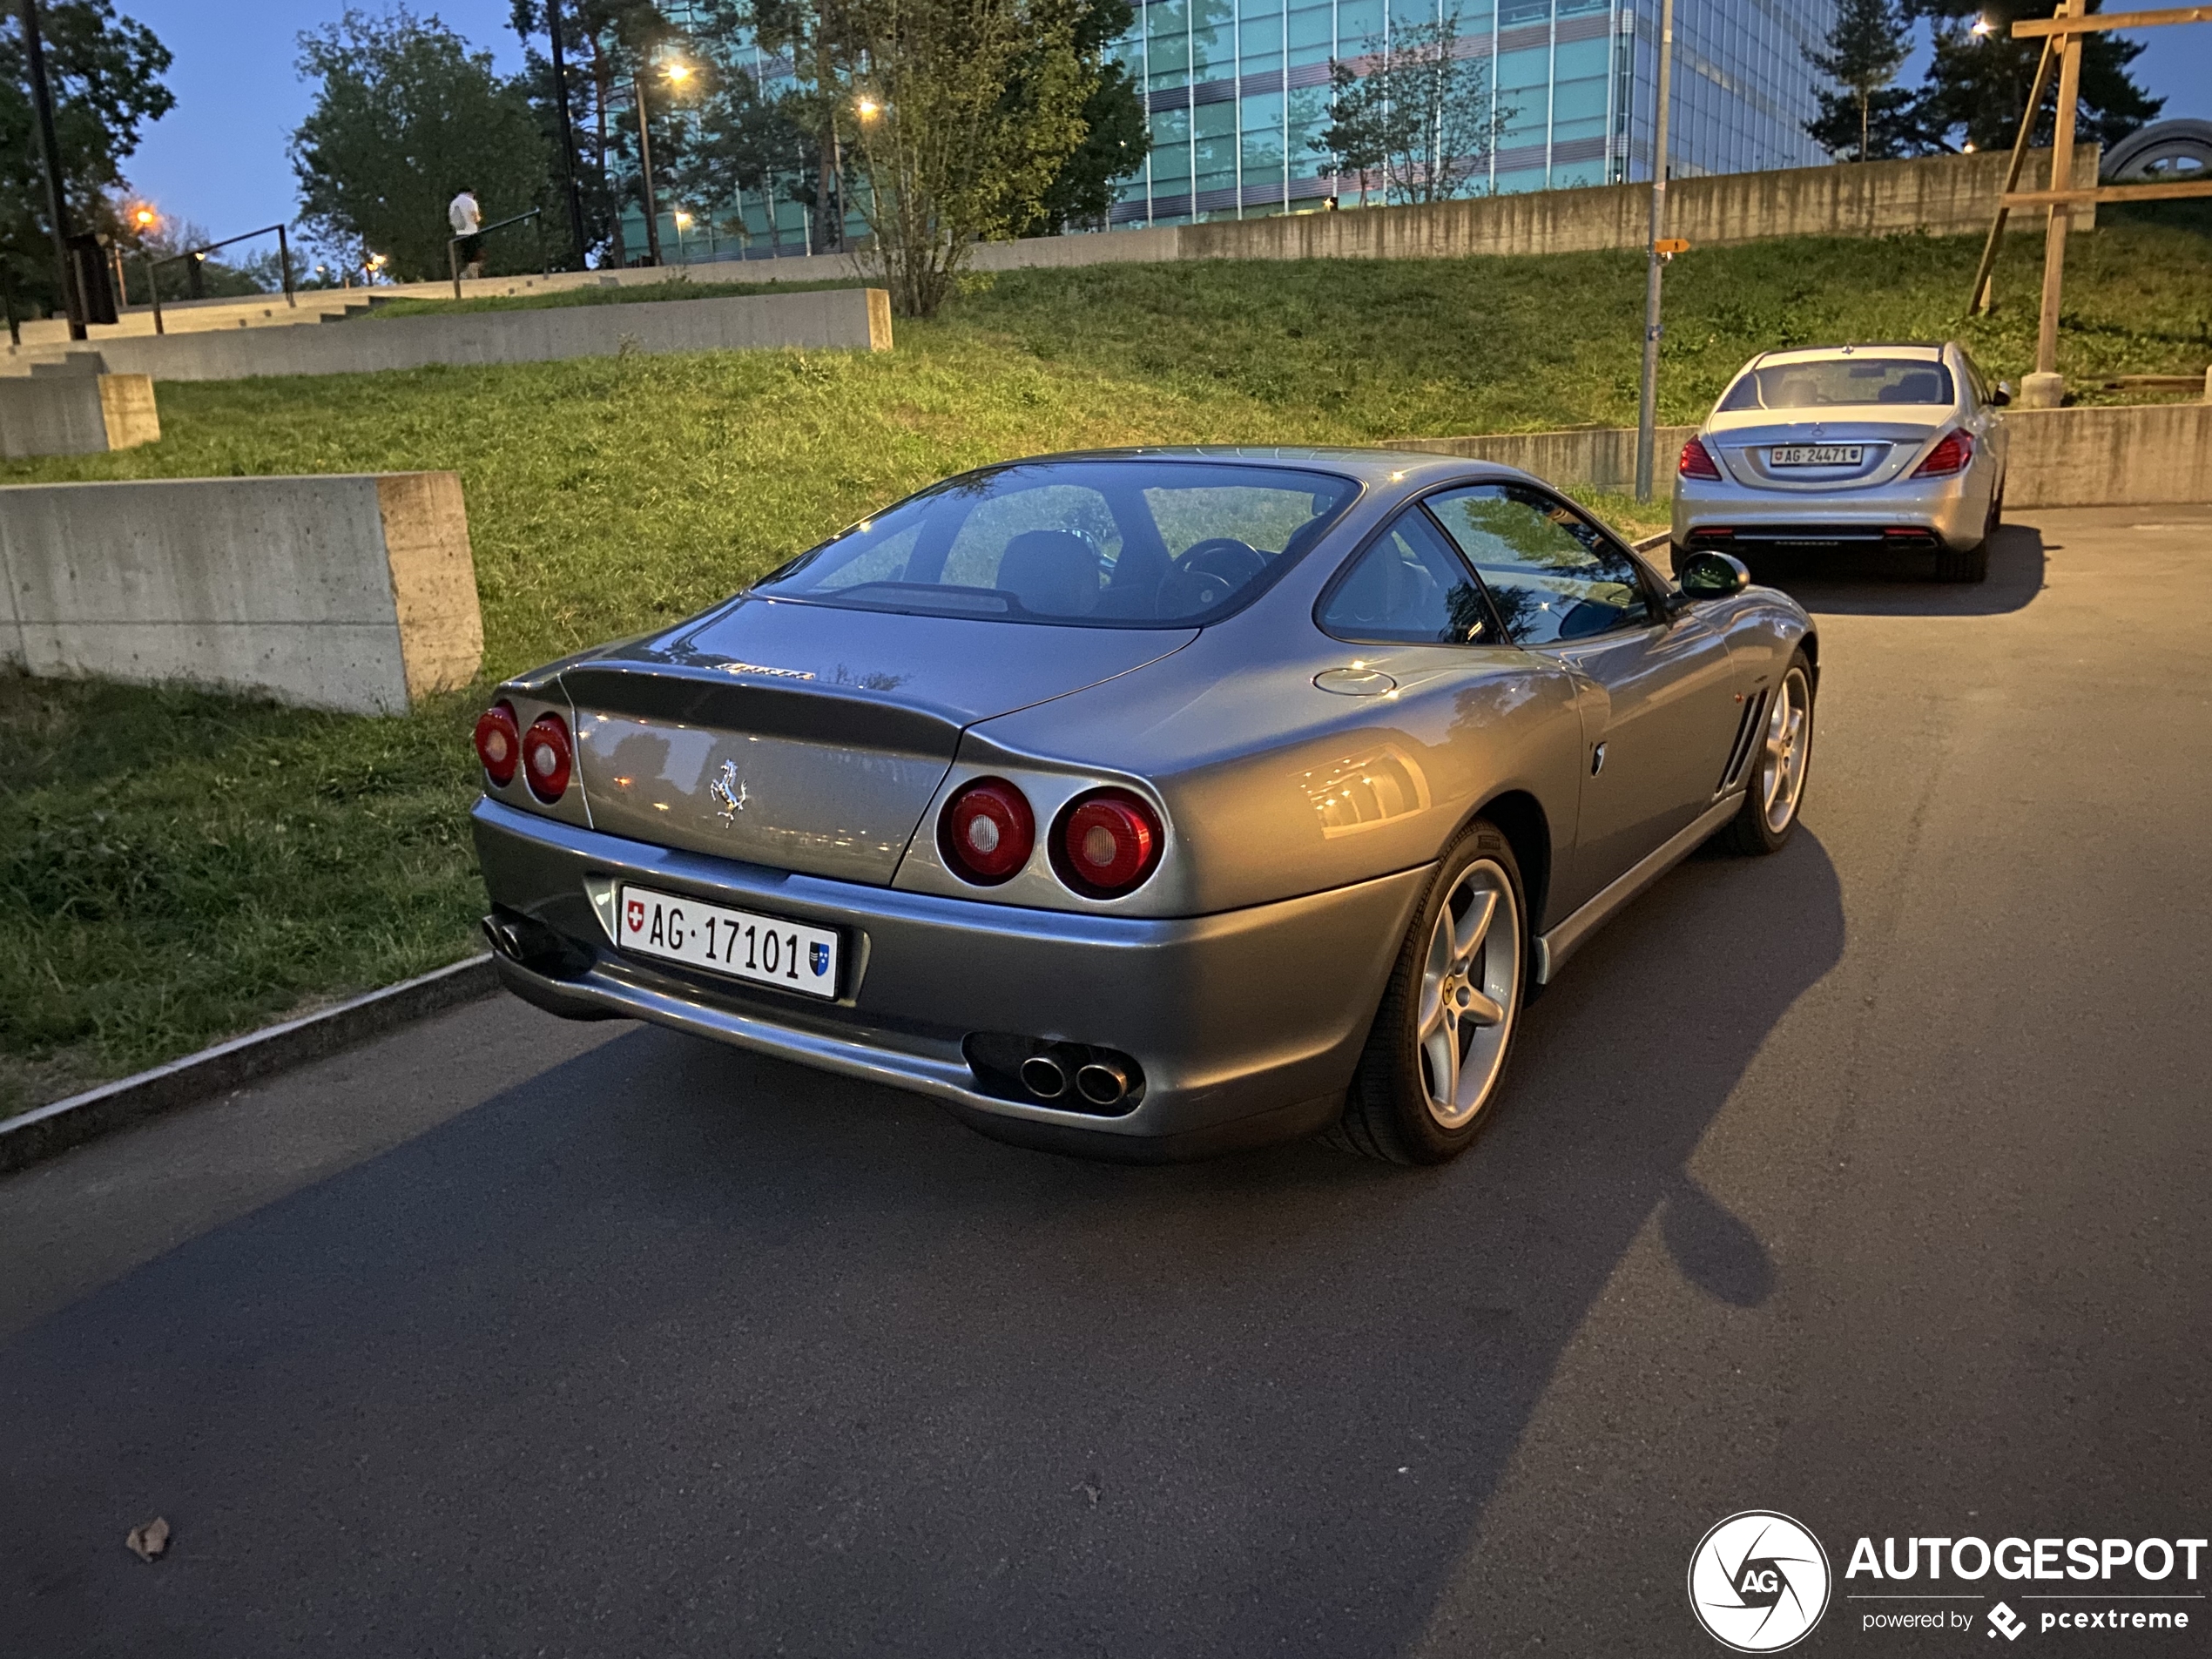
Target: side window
{"points": [[1977, 389], [1552, 574], [1408, 588]]}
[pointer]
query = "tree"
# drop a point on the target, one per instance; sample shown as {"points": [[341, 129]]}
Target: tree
{"points": [[1415, 110], [1116, 136], [105, 74], [963, 112], [404, 116], [1864, 51], [1976, 85]]}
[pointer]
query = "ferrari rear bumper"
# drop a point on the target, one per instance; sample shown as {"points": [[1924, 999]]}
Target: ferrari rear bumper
{"points": [[1244, 1027]]}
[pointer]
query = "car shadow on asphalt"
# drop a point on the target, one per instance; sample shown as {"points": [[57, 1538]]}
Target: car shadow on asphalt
{"points": [[1877, 582], [677, 1349]]}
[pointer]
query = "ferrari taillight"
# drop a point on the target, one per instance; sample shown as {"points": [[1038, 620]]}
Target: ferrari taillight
{"points": [[547, 758], [1698, 463], [1949, 456], [1107, 843], [987, 832], [499, 743]]}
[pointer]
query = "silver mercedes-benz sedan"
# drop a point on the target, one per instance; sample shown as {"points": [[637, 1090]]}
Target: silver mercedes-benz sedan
{"points": [[1840, 446], [1146, 803]]}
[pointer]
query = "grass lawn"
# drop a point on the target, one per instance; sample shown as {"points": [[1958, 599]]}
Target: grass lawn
{"points": [[177, 866]]}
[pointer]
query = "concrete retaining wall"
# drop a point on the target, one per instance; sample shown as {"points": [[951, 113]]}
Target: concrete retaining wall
{"points": [[354, 591], [2130, 455], [1941, 195], [76, 415], [1597, 457], [2127, 455], [842, 318]]}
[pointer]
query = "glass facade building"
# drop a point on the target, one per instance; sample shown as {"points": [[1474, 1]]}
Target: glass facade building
{"points": [[1237, 92]]}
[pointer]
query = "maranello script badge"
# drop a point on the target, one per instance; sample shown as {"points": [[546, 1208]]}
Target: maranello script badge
{"points": [[1758, 1582]]}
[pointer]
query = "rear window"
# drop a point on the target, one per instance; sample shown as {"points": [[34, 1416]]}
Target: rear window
{"points": [[1135, 543], [1826, 382]]}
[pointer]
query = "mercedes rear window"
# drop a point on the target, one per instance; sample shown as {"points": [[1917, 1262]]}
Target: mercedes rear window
{"points": [[1118, 543], [1828, 382]]}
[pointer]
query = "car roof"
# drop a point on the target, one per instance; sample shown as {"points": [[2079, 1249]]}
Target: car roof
{"points": [[1911, 350], [1373, 467]]}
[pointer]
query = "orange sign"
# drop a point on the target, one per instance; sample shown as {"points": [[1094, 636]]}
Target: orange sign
{"points": [[1671, 245]]}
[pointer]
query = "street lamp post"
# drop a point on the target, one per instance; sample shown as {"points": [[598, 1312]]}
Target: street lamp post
{"points": [[567, 134], [645, 171], [57, 201], [1648, 394]]}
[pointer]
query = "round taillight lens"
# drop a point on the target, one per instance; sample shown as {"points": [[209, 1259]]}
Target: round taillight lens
{"points": [[547, 758], [987, 830], [499, 743], [1108, 843]]}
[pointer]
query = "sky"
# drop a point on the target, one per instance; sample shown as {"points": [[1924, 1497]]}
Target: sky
{"points": [[218, 157]]}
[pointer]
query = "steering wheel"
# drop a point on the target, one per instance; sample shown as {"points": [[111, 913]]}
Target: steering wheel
{"points": [[1207, 574]]}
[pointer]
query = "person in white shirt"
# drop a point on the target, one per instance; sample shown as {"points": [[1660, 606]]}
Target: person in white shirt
{"points": [[466, 220]]}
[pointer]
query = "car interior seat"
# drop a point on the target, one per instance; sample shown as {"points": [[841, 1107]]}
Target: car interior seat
{"points": [[1053, 573]]}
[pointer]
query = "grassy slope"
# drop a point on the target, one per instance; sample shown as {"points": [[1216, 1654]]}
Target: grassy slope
{"points": [[179, 866]]}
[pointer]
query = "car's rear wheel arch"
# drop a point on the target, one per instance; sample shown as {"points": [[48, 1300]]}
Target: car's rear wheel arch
{"points": [[1521, 818]]}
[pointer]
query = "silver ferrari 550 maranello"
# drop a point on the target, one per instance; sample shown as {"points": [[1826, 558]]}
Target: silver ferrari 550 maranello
{"points": [[1146, 803], [1842, 446]]}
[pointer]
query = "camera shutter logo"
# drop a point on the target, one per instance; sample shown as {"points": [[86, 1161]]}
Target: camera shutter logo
{"points": [[1758, 1582]]}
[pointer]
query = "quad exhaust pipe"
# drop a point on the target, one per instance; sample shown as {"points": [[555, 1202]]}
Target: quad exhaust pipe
{"points": [[1100, 1083], [1071, 1076]]}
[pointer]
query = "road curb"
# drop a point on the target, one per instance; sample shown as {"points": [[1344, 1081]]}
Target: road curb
{"points": [[44, 1132]]}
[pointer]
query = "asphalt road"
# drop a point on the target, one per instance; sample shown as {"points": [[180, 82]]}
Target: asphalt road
{"points": [[1867, 1183]]}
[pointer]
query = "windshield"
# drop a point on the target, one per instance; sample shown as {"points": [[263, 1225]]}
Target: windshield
{"points": [[1825, 381], [1142, 542]]}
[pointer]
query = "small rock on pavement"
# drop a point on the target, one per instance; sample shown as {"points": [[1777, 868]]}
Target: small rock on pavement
{"points": [[148, 1541]]}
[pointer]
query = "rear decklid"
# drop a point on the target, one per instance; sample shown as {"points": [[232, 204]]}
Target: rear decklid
{"points": [[1887, 437], [810, 737]]}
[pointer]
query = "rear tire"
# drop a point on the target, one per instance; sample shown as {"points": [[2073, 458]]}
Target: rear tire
{"points": [[1963, 563], [1436, 1054], [1771, 804], [1972, 563]]}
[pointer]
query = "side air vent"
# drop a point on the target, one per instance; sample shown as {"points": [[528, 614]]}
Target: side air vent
{"points": [[1747, 738]]}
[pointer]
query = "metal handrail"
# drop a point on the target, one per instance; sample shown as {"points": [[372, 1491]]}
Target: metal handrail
{"points": [[152, 265], [453, 246]]}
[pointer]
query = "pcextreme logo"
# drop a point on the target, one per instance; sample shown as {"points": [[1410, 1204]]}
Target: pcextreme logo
{"points": [[1758, 1582]]}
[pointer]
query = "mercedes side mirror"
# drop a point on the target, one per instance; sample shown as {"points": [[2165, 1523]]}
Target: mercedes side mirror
{"points": [[1712, 576], [2002, 395]]}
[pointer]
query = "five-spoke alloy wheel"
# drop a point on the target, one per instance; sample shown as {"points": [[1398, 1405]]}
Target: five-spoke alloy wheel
{"points": [[1441, 1038]]}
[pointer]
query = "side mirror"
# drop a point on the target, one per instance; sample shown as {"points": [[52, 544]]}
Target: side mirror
{"points": [[1713, 575], [2002, 395]]}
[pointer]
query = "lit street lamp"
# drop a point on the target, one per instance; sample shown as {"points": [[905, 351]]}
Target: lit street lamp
{"points": [[677, 73], [682, 254]]}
